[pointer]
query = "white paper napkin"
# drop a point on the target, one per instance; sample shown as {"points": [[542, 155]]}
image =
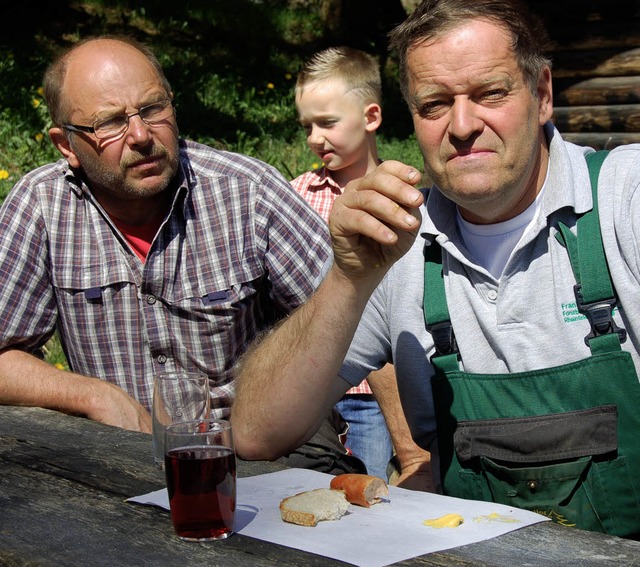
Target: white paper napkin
{"points": [[388, 532]]}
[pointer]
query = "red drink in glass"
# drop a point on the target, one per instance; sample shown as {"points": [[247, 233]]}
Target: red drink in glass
{"points": [[201, 482]]}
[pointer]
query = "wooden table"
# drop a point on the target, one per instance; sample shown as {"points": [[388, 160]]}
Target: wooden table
{"points": [[64, 481]]}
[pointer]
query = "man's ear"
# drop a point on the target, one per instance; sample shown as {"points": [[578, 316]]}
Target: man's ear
{"points": [[545, 96], [60, 141], [373, 117]]}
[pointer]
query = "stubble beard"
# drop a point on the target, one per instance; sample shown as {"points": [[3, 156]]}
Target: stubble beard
{"points": [[101, 178]]}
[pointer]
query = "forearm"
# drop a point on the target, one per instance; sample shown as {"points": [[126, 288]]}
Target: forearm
{"points": [[288, 381], [415, 462], [28, 381]]}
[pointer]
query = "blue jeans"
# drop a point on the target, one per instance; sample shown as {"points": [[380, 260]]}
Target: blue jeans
{"points": [[368, 437]]}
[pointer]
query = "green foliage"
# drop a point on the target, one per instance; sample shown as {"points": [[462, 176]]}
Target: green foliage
{"points": [[234, 108], [406, 151], [54, 354], [297, 26], [24, 142]]}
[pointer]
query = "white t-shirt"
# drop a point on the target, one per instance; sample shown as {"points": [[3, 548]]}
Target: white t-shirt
{"points": [[492, 244]]}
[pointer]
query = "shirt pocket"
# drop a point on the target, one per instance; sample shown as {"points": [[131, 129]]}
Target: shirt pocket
{"points": [[216, 321], [97, 302], [92, 284]]}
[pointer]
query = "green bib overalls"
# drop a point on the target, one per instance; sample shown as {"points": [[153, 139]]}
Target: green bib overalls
{"points": [[563, 441]]}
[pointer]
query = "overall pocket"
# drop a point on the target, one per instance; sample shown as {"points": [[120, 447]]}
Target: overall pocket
{"points": [[544, 463]]}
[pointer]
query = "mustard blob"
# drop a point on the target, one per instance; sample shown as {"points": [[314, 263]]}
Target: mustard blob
{"points": [[446, 521]]}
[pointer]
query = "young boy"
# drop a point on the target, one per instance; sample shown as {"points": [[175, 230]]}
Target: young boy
{"points": [[338, 96]]}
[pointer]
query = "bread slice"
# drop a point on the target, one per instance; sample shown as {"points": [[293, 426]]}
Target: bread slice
{"points": [[310, 507]]}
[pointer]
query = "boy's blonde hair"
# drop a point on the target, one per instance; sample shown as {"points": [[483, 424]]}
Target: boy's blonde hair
{"points": [[358, 70]]}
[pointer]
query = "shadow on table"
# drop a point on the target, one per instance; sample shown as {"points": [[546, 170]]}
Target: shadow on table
{"points": [[244, 516]]}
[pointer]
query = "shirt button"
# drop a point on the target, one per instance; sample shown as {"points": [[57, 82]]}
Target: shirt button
{"points": [[151, 299], [532, 485], [492, 295], [161, 359]]}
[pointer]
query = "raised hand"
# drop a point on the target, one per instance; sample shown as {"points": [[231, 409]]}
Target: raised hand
{"points": [[375, 221]]}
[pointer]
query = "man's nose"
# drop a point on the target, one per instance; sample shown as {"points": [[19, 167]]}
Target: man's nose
{"points": [[464, 119], [138, 131]]}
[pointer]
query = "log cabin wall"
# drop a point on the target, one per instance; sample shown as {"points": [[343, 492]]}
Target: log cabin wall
{"points": [[596, 69]]}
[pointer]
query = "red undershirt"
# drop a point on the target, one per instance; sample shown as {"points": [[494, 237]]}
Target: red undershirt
{"points": [[139, 237]]}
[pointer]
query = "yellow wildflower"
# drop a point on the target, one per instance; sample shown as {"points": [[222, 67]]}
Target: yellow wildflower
{"points": [[271, 86], [35, 102], [39, 136], [288, 76], [59, 366], [315, 165], [40, 91], [4, 174]]}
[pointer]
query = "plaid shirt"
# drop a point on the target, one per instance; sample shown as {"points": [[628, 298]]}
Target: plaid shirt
{"points": [[237, 251], [320, 190]]}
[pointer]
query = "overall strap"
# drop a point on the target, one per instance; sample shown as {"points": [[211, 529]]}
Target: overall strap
{"points": [[436, 313], [595, 296]]}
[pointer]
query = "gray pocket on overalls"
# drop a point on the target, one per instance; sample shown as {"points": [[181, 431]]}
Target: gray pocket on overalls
{"points": [[540, 462]]}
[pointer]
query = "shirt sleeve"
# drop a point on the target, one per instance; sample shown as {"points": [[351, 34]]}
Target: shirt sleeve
{"points": [[27, 302], [295, 240]]}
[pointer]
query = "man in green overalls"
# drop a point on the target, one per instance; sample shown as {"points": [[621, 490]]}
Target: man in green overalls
{"points": [[505, 295]]}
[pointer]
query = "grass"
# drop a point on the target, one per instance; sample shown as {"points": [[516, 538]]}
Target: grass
{"points": [[54, 354], [232, 72]]}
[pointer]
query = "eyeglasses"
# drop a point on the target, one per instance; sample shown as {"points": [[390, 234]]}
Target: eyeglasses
{"points": [[116, 125]]}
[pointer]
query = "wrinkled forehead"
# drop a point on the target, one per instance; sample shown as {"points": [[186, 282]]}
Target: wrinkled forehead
{"points": [[470, 44]]}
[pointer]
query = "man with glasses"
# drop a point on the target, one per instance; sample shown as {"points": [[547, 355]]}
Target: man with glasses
{"points": [[147, 253]]}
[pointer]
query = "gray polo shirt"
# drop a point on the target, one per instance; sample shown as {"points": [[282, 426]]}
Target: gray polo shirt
{"points": [[527, 319]]}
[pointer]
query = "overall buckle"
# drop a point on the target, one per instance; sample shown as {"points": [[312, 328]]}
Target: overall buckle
{"points": [[600, 316], [443, 338]]}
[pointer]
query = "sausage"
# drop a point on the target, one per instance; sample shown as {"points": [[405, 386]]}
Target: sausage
{"points": [[361, 489]]}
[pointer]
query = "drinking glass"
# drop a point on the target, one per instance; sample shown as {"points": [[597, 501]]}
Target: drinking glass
{"points": [[200, 467], [177, 396]]}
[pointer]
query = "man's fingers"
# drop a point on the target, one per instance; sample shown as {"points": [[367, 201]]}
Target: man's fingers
{"points": [[400, 170], [393, 180], [375, 215], [375, 221]]}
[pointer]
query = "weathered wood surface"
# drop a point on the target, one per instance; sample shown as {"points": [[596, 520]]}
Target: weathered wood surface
{"points": [[596, 62], [610, 118], [600, 63], [64, 481], [617, 36], [596, 91], [585, 24]]}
